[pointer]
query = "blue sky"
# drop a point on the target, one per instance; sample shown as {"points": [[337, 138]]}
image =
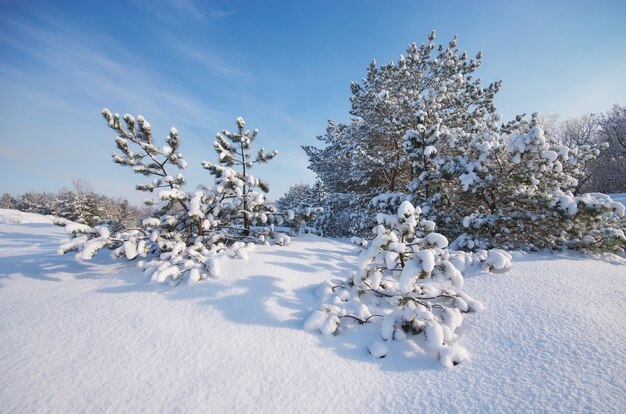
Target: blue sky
{"points": [[285, 67]]}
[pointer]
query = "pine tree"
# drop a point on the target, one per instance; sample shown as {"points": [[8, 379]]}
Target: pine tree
{"points": [[240, 195], [301, 202], [33, 202], [7, 201], [424, 130], [517, 190], [184, 232], [429, 87], [66, 205], [409, 284]]}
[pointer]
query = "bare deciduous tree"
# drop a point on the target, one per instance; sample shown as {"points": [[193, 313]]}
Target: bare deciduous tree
{"points": [[607, 174], [612, 129]]}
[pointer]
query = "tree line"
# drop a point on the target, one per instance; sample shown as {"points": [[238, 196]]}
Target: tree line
{"points": [[80, 204]]}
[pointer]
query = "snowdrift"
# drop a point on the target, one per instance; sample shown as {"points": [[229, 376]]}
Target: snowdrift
{"points": [[98, 337]]}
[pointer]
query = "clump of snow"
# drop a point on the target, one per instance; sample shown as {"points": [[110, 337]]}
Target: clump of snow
{"points": [[406, 209], [499, 259], [618, 207], [453, 355], [316, 320], [151, 222], [467, 179], [359, 241], [378, 349], [433, 334], [439, 240], [71, 228], [550, 155], [282, 239], [329, 327]]}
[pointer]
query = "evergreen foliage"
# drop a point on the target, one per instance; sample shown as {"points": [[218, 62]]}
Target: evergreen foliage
{"points": [[519, 193], [424, 130], [7, 201], [241, 195], [301, 200], [409, 284], [185, 231], [425, 89]]}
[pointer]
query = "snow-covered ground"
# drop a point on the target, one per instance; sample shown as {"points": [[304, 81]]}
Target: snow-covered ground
{"points": [[19, 217], [99, 338]]}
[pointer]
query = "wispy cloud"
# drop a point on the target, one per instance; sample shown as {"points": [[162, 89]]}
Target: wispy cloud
{"points": [[169, 10], [215, 64], [52, 96], [59, 77], [70, 70]]}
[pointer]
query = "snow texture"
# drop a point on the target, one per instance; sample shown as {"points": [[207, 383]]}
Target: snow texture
{"points": [[499, 259], [378, 350], [100, 338], [8, 216]]}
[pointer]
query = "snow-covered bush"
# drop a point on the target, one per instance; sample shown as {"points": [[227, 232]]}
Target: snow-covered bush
{"points": [[185, 231], [409, 284], [515, 189]]}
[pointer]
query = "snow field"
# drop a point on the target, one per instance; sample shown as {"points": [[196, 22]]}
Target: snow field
{"points": [[99, 337]]}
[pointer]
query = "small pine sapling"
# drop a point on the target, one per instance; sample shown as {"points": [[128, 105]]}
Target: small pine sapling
{"points": [[409, 284], [240, 196]]}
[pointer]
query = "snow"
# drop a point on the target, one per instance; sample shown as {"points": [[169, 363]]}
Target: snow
{"points": [[434, 336], [550, 155], [453, 355], [99, 337], [430, 150], [72, 227], [173, 194], [499, 259], [19, 217], [282, 239], [468, 179], [378, 349], [315, 321], [406, 209], [427, 260], [621, 198], [437, 239]]}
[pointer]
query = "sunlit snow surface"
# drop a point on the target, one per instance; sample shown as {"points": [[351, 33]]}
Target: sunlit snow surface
{"points": [[99, 338]]}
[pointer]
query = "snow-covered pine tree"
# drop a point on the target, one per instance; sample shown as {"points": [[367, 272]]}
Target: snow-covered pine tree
{"points": [[122, 212], [515, 189], [33, 202], [346, 191], [409, 284], [241, 204], [7, 201], [424, 130], [168, 236], [65, 205], [370, 156], [184, 232], [298, 196], [301, 199]]}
